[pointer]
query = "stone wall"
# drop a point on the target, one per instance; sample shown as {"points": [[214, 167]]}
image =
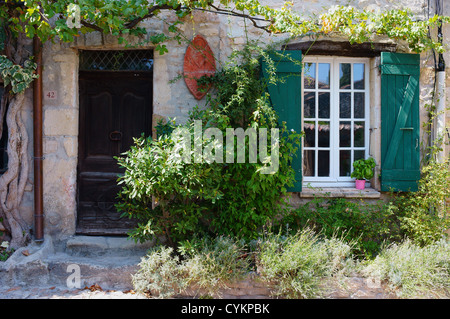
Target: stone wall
{"points": [[252, 287], [60, 138], [223, 34]]}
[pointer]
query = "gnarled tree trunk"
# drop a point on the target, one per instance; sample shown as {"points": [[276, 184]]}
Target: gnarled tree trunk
{"points": [[13, 181]]}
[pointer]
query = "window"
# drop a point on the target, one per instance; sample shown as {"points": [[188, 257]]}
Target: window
{"points": [[335, 118], [115, 60], [332, 107]]}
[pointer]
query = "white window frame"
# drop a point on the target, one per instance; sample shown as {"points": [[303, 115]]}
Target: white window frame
{"points": [[334, 180]]}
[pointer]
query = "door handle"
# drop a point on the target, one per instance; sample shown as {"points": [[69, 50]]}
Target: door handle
{"points": [[115, 136]]}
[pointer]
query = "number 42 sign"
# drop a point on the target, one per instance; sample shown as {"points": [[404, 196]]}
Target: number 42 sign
{"points": [[50, 95]]}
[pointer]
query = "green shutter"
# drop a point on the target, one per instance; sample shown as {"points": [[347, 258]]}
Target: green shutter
{"points": [[400, 124], [286, 99]]}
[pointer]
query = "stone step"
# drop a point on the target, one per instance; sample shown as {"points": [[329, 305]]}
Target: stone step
{"points": [[81, 262], [108, 272], [92, 246]]}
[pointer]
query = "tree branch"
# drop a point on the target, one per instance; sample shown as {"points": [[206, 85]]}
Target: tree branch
{"points": [[243, 15], [150, 14], [91, 26]]}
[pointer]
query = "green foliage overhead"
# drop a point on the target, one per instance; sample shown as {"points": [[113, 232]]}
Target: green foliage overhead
{"points": [[47, 19], [121, 18]]}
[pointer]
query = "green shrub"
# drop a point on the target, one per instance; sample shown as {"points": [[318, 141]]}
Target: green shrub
{"points": [[422, 216], [154, 176], [159, 274], [299, 263], [210, 263], [425, 215], [413, 271], [179, 200], [367, 225], [205, 265]]}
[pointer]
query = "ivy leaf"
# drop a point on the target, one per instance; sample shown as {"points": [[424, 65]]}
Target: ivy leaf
{"points": [[161, 49]]}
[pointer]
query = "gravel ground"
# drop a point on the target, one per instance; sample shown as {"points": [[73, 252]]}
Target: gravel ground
{"points": [[93, 292]]}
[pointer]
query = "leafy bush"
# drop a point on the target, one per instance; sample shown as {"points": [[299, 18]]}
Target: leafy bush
{"points": [[424, 215], [155, 176], [367, 225], [413, 271], [205, 264], [298, 263], [212, 262], [179, 199], [159, 274], [295, 263]]}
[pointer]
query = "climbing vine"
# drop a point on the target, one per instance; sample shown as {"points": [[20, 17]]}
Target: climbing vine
{"points": [[47, 20]]}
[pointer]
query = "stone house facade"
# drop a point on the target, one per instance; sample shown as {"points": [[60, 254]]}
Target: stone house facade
{"points": [[71, 126]]}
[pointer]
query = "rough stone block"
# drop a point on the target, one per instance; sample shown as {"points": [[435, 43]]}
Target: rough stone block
{"points": [[60, 122], [50, 146], [71, 146]]}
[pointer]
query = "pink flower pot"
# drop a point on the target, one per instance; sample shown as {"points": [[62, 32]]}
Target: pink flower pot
{"points": [[360, 184]]}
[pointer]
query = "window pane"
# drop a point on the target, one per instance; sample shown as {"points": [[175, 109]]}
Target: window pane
{"points": [[358, 155], [344, 163], [310, 76], [324, 163], [310, 105], [324, 134], [324, 105], [344, 76], [308, 162], [359, 134], [358, 76], [310, 136], [114, 60], [344, 134], [324, 75], [344, 105], [359, 105]]}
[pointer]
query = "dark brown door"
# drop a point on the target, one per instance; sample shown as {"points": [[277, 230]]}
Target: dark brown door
{"points": [[114, 108]]}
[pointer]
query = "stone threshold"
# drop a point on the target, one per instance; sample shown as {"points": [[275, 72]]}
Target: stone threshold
{"points": [[335, 192]]}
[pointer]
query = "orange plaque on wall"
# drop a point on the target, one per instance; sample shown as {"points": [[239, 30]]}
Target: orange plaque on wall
{"points": [[198, 62]]}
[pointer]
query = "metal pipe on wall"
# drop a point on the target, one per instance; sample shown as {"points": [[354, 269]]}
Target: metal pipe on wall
{"points": [[37, 144], [440, 90], [440, 113]]}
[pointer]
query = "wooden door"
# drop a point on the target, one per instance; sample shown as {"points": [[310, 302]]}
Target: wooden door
{"points": [[114, 108]]}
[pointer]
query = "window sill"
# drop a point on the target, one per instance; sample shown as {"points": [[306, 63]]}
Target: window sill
{"points": [[347, 192]]}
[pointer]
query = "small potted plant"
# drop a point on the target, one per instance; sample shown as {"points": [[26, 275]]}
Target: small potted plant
{"points": [[362, 171]]}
